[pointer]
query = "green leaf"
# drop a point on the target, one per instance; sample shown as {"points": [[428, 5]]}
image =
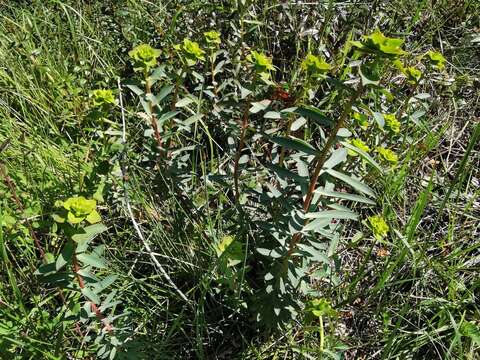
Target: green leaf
{"points": [[91, 260], [369, 74], [165, 91], [295, 144], [316, 225], [58, 218], [105, 283], [354, 183], [192, 119], [259, 106], [344, 196], [65, 255], [90, 232], [472, 331], [165, 117], [315, 114], [283, 173], [270, 253], [297, 124], [72, 219], [379, 119], [332, 214], [135, 89], [338, 156], [364, 155], [59, 279], [272, 115], [89, 294], [184, 102]]}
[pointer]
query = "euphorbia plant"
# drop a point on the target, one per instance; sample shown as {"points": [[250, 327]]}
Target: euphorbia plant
{"points": [[144, 58], [75, 270]]}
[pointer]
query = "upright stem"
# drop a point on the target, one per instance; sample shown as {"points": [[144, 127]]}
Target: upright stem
{"points": [[212, 65], [81, 283], [321, 158], [322, 334], [153, 122], [236, 172], [284, 150]]}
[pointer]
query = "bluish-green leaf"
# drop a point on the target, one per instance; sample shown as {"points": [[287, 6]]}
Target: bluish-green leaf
{"points": [[364, 155], [315, 114], [89, 294], [91, 260], [354, 183], [344, 196], [65, 255], [332, 214], [295, 144]]}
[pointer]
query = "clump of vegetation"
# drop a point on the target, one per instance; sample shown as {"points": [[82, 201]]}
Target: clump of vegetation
{"points": [[177, 177]]}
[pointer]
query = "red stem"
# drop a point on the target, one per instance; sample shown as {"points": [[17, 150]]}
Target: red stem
{"points": [[94, 307]]}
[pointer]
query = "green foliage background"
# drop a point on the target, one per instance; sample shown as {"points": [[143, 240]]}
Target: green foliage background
{"points": [[413, 294]]}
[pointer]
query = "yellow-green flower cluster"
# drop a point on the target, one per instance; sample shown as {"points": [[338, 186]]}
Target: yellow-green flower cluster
{"points": [[412, 73], [78, 209], [392, 123], [379, 226], [315, 66], [212, 37], [144, 56], [320, 307], [224, 244], [191, 51], [361, 120], [261, 63], [377, 43], [102, 97], [360, 144], [387, 155], [436, 59]]}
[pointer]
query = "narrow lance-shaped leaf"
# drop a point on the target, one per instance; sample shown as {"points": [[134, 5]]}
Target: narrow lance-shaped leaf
{"points": [[354, 183], [316, 115], [295, 144]]}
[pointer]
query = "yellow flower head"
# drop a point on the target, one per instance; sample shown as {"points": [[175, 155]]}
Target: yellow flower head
{"points": [[144, 56], [392, 123], [191, 51], [358, 143], [320, 307], [361, 120], [377, 43], [387, 155], [102, 97], [315, 66], [78, 209], [436, 59], [260, 61], [379, 226], [212, 37]]}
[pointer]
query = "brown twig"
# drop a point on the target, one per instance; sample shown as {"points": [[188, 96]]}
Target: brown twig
{"points": [[94, 307], [153, 120], [321, 158]]}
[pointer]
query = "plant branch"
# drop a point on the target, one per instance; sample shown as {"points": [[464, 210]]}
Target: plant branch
{"points": [[94, 307], [321, 159], [153, 122], [129, 208], [236, 171]]}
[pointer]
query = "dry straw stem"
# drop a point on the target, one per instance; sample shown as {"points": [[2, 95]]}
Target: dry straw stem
{"points": [[129, 207]]}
